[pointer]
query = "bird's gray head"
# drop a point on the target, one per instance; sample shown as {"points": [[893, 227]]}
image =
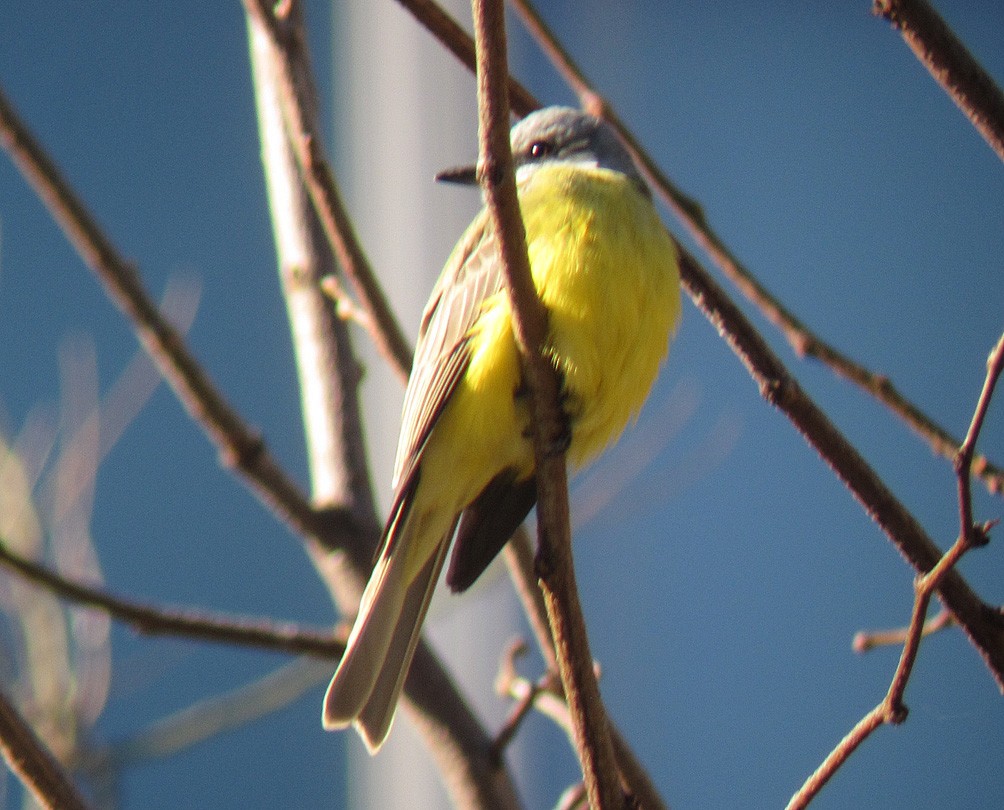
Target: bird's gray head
{"points": [[565, 135], [560, 135]]}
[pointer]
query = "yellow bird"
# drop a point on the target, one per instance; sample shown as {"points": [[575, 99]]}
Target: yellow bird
{"points": [[607, 271]]}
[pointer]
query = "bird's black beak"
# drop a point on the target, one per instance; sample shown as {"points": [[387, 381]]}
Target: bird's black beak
{"points": [[460, 175]]}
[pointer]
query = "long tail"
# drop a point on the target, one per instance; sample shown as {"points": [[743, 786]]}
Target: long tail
{"points": [[368, 681]]}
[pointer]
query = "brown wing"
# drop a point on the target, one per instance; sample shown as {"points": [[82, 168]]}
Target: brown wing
{"points": [[471, 275]]}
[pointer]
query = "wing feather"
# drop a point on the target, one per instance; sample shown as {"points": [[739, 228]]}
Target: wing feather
{"points": [[470, 277]]}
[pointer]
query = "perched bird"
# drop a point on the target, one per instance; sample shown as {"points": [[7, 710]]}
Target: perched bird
{"points": [[607, 271]]}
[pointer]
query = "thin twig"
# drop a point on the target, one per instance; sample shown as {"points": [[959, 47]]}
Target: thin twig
{"points": [[504, 681], [967, 452], [554, 557], [865, 640], [891, 709], [34, 764], [387, 335], [239, 446], [951, 64], [983, 625], [519, 559], [157, 620], [454, 737], [691, 215], [548, 699], [779, 388], [457, 41], [546, 696]]}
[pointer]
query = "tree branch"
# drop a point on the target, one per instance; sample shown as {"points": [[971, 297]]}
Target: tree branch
{"points": [[191, 624], [458, 42], [964, 460], [892, 709], [519, 559], [34, 764], [239, 446], [298, 94], [287, 109], [951, 64], [802, 340], [554, 556], [980, 622], [983, 625], [865, 640]]}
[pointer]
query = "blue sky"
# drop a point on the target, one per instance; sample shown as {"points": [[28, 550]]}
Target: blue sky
{"points": [[722, 587]]}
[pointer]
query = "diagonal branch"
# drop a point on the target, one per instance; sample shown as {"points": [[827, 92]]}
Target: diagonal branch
{"points": [[34, 764], [197, 625], [554, 554], [238, 444], [865, 640], [984, 628], [964, 460], [329, 379], [519, 559], [951, 64], [691, 215], [891, 710], [458, 42], [315, 170], [983, 625]]}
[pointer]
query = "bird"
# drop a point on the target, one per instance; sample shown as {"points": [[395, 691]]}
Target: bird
{"points": [[607, 271]]}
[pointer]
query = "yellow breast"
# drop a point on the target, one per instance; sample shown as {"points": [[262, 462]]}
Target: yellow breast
{"points": [[607, 271]]}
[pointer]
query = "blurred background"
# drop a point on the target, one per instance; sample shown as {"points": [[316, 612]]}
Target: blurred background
{"points": [[723, 569]]}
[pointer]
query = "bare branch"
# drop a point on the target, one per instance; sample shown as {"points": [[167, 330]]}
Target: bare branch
{"points": [[554, 555], [867, 640], [458, 42], [329, 378], [505, 682], [691, 215], [199, 625], [964, 460], [779, 388], [320, 182], [892, 710], [951, 65], [239, 446], [34, 764], [519, 559]]}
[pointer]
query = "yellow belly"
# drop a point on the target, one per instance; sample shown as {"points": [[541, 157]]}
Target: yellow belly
{"points": [[606, 269]]}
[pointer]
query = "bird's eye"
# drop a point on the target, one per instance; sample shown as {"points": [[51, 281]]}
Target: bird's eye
{"points": [[541, 149]]}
